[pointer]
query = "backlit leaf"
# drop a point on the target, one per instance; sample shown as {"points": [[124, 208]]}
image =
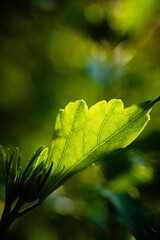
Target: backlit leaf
{"points": [[82, 135]]}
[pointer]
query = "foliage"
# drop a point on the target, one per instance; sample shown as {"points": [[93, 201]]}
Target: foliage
{"points": [[82, 136], [139, 220], [54, 52]]}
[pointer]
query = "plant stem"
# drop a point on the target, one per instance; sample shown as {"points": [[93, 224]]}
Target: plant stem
{"points": [[6, 221], [4, 226], [8, 217]]}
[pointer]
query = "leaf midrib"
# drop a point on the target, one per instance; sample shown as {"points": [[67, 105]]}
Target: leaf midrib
{"points": [[69, 136], [95, 148]]}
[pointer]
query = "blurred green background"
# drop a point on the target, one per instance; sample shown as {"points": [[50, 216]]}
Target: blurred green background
{"points": [[56, 51]]}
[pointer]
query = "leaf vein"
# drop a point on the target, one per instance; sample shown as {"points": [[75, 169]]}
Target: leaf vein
{"points": [[95, 148]]}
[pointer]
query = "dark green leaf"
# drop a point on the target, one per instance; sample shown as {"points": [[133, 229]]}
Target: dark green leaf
{"points": [[139, 220]]}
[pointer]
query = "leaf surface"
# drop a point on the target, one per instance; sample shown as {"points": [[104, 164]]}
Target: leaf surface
{"points": [[82, 135], [143, 223]]}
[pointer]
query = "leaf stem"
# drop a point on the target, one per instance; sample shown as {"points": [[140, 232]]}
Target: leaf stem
{"points": [[28, 209], [9, 216], [6, 221]]}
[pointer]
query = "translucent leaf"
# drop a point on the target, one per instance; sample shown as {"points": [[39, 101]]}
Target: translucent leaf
{"points": [[83, 135]]}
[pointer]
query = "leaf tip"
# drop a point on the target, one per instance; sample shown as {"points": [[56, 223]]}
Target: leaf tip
{"points": [[151, 103], [147, 105], [155, 101]]}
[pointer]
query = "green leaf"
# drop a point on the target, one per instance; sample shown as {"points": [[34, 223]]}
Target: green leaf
{"points": [[139, 220], [36, 174], [31, 164], [83, 135]]}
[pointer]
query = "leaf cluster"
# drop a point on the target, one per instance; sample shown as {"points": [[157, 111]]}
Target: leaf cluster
{"points": [[81, 137]]}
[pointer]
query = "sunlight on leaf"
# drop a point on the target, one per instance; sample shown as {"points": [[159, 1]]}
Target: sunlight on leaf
{"points": [[82, 135]]}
